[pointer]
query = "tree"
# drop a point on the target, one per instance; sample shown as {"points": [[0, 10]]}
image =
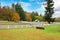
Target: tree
{"points": [[28, 16], [40, 15], [13, 6], [5, 14], [36, 13], [8, 14], [52, 20], [57, 19], [49, 10], [33, 16], [20, 10], [15, 17]]}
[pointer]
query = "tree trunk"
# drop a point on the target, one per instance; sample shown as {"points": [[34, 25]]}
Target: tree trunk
{"points": [[48, 22]]}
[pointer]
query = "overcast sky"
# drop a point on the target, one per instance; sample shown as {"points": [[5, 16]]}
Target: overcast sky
{"points": [[34, 5]]}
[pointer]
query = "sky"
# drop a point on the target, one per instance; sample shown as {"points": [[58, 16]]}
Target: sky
{"points": [[34, 5], [56, 8]]}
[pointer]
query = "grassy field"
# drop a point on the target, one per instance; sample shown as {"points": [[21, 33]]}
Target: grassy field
{"points": [[50, 33], [11, 23], [52, 28]]}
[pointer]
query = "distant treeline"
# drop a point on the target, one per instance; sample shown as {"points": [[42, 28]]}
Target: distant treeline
{"points": [[16, 13]]}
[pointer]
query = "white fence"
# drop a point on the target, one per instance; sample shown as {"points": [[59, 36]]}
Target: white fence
{"points": [[21, 26]]}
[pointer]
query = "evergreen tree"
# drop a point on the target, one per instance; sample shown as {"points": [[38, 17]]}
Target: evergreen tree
{"points": [[40, 15], [33, 16], [49, 10], [36, 13], [20, 10], [13, 6]]}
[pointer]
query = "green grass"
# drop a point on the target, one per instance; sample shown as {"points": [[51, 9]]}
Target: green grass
{"points": [[12, 23], [52, 28], [31, 33]]}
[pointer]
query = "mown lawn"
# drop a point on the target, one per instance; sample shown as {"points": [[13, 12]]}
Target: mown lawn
{"points": [[50, 33], [52, 28], [11, 23]]}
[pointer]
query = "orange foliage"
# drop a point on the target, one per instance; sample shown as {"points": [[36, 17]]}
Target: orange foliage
{"points": [[16, 17], [28, 16]]}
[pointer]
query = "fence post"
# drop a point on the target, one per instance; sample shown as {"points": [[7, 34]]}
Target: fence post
{"points": [[8, 26]]}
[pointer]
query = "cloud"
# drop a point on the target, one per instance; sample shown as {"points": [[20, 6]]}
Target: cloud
{"points": [[25, 4], [38, 2], [56, 8], [41, 9], [56, 14]]}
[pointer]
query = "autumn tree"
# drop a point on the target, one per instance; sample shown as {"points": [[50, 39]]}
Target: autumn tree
{"points": [[4, 14], [8, 13], [28, 16], [16, 17], [19, 10]]}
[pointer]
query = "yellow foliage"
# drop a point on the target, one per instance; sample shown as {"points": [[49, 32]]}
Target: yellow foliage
{"points": [[28, 16], [16, 17]]}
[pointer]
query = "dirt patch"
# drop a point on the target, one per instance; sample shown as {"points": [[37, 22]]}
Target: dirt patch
{"points": [[58, 30]]}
